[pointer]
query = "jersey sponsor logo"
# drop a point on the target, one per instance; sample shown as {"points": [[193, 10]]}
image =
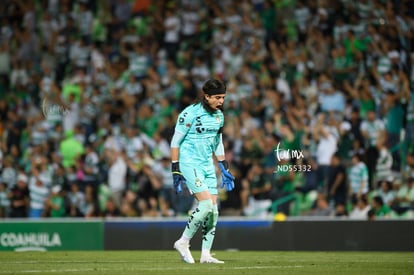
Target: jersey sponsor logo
{"points": [[198, 121], [200, 130], [198, 124], [197, 182], [182, 118], [208, 130]]}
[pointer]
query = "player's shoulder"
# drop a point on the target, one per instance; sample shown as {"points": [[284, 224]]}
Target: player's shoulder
{"points": [[192, 109]]}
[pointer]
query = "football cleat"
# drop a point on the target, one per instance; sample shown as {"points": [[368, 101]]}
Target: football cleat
{"points": [[184, 250], [208, 259]]}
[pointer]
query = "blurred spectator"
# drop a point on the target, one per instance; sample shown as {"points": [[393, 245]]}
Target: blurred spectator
{"points": [[91, 166], [167, 196], [322, 207], [408, 170], [59, 178], [9, 173], [384, 161], [283, 181], [337, 181], [122, 12], [190, 18], [116, 175], [55, 204], [326, 147], [360, 209], [381, 209], [4, 200], [111, 210], [372, 128], [361, 94], [318, 49], [303, 17], [38, 193], [386, 192], [410, 122], [331, 99], [70, 148], [19, 198], [76, 200], [259, 197], [100, 69], [129, 207], [404, 198], [393, 112], [371, 215], [71, 118], [148, 191], [343, 67], [358, 178], [172, 26], [310, 181], [341, 210], [91, 208], [158, 146]]}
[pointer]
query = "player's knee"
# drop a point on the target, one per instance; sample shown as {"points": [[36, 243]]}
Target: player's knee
{"points": [[205, 207], [203, 210]]}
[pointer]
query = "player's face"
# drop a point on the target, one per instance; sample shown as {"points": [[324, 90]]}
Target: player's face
{"points": [[215, 101]]}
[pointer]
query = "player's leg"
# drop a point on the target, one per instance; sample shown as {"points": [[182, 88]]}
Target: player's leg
{"points": [[182, 245], [209, 231], [209, 225], [194, 181], [203, 210]]}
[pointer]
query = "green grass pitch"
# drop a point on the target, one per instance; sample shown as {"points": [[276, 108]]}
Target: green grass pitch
{"points": [[237, 262]]}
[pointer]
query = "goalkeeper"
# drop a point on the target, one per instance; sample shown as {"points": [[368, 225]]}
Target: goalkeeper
{"points": [[197, 136]]}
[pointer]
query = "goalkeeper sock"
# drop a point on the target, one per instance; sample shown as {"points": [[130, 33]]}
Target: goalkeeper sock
{"points": [[209, 230], [204, 208]]}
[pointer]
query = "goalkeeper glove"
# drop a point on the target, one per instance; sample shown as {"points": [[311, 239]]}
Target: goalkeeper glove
{"points": [[178, 177], [226, 176]]}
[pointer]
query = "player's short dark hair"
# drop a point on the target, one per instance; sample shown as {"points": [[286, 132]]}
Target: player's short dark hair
{"points": [[214, 87]]}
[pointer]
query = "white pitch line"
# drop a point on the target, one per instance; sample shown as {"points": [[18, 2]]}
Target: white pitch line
{"points": [[146, 269], [356, 261], [62, 261], [263, 267], [51, 270]]}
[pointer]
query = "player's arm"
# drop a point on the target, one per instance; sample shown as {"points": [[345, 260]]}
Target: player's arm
{"points": [[181, 129], [183, 125], [177, 138], [227, 177], [178, 178], [219, 153]]}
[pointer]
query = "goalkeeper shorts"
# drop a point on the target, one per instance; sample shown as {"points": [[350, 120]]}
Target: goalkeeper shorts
{"points": [[199, 179]]}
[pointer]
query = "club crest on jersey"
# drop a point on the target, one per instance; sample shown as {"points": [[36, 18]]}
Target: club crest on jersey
{"points": [[218, 118]]}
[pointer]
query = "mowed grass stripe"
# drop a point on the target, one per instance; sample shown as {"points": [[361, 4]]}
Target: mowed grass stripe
{"points": [[242, 262], [192, 268]]}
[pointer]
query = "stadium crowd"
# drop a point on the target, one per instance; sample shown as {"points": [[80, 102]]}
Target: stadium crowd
{"points": [[319, 107]]}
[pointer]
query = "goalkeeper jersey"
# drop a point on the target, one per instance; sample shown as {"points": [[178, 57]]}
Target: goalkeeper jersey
{"points": [[201, 131]]}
